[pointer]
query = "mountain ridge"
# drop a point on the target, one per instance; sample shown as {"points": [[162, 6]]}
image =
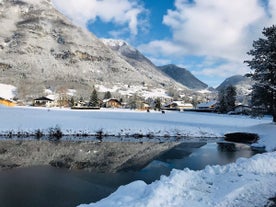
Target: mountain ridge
{"points": [[136, 59], [183, 76], [237, 81], [243, 87], [41, 49]]}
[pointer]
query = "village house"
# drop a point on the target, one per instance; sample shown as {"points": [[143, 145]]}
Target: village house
{"points": [[242, 109], [177, 105], [112, 103], [207, 106], [43, 102], [80, 104], [144, 106]]}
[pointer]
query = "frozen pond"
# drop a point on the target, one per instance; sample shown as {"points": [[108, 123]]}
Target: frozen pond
{"points": [[48, 186]]}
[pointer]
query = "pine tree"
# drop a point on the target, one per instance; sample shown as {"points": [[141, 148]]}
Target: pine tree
{"points": [[133, 102], [227, 99], [158, 104], [221, 100], [230, 98], [71, 102], [94, 102], [263, 65], [107, 95]]}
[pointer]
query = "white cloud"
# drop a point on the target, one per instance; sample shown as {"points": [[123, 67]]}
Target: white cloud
{"points": [[159, 47], [220, 30], [216, 28], [160, 62], [224, 70], [120, 12]]}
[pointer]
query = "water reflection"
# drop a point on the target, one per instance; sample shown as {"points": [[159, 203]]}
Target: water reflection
{"points": [[48, 186]]}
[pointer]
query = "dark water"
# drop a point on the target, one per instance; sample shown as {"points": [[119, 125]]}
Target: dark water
{"points": [[51, 187]]}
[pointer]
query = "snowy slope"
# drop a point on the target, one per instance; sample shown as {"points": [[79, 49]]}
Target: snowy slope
{"points": [[7, 91], [243, 86], [246, 183], [136, 59]]}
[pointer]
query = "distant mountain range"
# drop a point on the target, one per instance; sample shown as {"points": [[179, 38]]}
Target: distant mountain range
{"points": [[137, 60], [145, 66], [183, 76]]}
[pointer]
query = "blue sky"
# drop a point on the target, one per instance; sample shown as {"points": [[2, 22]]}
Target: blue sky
{"points": [[208, 37]]}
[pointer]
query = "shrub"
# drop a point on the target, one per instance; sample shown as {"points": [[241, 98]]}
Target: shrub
{"points": [[55, 133], [99, 134], [38, 134]]}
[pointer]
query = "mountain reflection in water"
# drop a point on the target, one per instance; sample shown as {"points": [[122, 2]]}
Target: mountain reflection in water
{"points": [[46, 186]]}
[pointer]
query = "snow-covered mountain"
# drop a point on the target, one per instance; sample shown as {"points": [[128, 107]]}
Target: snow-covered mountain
{"points": [[240, 82], [183, 76], [136, 59], [145, 66], [243, 86], [41, 49]]}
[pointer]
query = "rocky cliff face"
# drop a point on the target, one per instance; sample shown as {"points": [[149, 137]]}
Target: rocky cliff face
{"points": [[40, 49]]}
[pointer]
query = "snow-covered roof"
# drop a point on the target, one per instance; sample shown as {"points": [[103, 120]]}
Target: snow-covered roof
{"points": [[206, 104], [110, 99], [43, 98], [177, 103]]}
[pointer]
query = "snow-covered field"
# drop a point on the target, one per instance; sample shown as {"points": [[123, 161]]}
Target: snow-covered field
{"points": [[248, 182], [129, 122]]}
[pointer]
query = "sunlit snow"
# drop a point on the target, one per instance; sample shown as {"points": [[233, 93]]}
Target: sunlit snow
{"points": [[7, 91]]}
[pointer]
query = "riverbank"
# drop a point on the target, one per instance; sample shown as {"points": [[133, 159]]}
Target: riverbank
{"points": [[245, 183], [130, 123]]}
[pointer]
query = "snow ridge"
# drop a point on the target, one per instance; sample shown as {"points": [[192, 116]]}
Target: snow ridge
{"points": [[248, 182]]}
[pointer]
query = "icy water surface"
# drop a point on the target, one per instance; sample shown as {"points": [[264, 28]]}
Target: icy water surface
{"points": [[45, 186]]}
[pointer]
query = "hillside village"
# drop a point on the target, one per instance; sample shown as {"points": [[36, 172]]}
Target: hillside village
{"points": [[98, 100]]}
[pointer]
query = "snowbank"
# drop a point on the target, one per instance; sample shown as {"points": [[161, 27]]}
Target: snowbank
{"points": [[248, 182]]}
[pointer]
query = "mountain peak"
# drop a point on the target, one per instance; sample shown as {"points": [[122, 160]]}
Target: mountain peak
{"points": [[114, 42], [236, 80]]}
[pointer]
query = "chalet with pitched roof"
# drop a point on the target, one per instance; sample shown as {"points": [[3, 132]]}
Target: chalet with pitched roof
{"points": [[43, 102]]}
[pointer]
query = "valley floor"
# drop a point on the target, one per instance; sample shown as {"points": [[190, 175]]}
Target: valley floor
{"points": [[131, 123]]}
